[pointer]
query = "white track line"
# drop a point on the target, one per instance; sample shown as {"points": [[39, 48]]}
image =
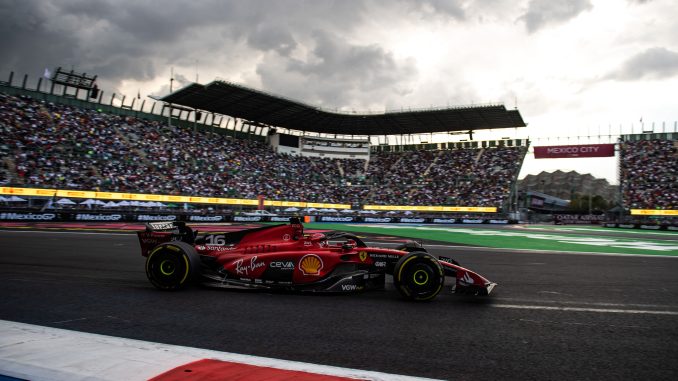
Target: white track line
{"points": [[580, 309], [41, 353]]}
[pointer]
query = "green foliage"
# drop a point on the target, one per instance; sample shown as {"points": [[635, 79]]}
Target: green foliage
{"points": [[580, 203]]}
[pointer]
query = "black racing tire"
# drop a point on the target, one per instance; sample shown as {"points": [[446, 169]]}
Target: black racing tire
{"points": [[419, 276], [172, 266]]}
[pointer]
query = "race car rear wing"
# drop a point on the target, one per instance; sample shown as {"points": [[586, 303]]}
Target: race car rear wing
{"points": [[159, 232], [164, 226]]}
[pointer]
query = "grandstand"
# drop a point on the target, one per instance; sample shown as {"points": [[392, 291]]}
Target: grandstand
{"points": [[64, 147], [61, 144], [649, 171], [55, 142]]}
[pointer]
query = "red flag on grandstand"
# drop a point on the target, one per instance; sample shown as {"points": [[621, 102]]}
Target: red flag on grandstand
{"points": [[585, 150]]}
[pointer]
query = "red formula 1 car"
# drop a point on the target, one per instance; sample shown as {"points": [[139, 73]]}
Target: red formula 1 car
{"points": [[283, 257]]}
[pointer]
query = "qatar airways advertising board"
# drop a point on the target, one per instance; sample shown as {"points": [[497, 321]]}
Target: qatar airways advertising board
{"points": [[585, 150]]}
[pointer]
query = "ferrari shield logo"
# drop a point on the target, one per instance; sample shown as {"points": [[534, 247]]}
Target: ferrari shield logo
{"points": [[362, 255]]}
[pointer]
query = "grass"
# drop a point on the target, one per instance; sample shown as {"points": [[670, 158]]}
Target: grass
{"points": [[514, 239]]}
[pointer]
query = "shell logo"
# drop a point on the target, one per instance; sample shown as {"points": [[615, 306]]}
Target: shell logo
{"points": [[311, 264]]}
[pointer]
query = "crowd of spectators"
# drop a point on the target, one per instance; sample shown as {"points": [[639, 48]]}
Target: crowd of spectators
{"points": [[649, 174], [51, 145]]}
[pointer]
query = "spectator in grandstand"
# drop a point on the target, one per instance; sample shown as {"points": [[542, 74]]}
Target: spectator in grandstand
{"points": [[649, 175], [58, 146]]}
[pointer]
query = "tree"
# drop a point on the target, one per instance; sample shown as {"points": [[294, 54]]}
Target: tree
{"points": [[580, 203]]}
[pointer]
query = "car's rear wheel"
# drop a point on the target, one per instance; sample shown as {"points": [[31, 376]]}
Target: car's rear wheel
{"points": [[172, 266], [418, 276]]}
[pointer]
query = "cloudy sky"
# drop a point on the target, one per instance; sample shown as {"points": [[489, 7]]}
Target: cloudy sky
{"points": [[572, 67]]}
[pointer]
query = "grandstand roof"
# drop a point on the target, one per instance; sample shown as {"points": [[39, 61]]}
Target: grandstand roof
{"points": [[261, 108]]}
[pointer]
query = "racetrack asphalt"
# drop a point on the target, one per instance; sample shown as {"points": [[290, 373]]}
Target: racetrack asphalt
{"points": [[553, 315]]}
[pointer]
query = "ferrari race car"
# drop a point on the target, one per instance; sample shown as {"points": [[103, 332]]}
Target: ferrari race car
{"points": [[284, 257]]}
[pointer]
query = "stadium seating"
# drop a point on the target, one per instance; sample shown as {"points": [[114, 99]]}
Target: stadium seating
{"points": [[649, 174], [56, 146]]}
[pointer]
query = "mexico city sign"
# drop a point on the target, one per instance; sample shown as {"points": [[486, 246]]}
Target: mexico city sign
{"points": [[585, 150]]}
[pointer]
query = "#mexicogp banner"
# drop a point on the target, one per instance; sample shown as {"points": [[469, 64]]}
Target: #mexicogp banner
{"points": [[585, 150]]}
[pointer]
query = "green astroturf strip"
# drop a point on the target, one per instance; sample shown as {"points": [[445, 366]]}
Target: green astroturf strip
{"points": [[521, 240]]}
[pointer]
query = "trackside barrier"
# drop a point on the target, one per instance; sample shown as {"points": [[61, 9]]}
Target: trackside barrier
{"points": [[669, 227], [27, 216], [85, 217]]}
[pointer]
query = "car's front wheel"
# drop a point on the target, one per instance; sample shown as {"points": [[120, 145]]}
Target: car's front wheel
{"points": [[419, 276], [172, 266]]}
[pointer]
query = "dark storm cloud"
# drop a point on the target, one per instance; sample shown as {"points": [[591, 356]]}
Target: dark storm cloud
{"points": [[541, 13], [135, 40], [337, 73], [272, 37], [653, 63]]}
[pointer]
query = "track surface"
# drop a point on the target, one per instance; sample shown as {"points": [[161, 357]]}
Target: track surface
{"points": [[553, 316]]}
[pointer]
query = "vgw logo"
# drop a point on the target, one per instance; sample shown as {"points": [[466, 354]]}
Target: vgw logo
{"points": [[350, 287]]}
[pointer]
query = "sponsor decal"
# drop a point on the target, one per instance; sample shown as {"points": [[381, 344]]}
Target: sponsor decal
{"points": [[280, 219], [308, 243], [466, 279], [28, 216], [362, 255], [380, 264], [379, 220], [206, 218], [444, 220], [654, 212], [247, 218], [286, 237], [98, 217], [350, 287], [153, 241], [336, 219], [471, 221], [310, 264], [149, 217], [579, 218], [585, 150], [384, 256], [219, 248], [413, 220], [282, 265], [242, 267], [161, 225]]}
